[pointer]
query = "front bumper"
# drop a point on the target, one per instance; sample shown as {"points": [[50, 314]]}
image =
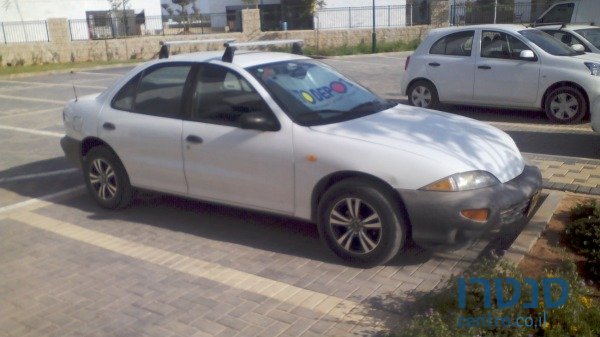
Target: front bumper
{"points": [[72, 149], [436, 220]]}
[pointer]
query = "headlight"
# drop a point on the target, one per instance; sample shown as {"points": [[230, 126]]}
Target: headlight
{"points": [[463, 182], [594, 68]]}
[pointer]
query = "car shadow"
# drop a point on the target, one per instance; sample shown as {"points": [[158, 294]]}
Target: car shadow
{"points": [[250, 228]]}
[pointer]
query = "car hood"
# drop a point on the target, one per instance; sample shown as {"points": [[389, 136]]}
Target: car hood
{"points": [[443, 138], [588, 57]]}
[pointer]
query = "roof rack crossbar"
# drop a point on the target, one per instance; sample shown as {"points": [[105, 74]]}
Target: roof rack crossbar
{"points": [[540, 24], [231, 47], [167, 44]]}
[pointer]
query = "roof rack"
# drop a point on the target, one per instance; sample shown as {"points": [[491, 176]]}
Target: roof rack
{"points": [[230, 47], [540, 24], [165, 46]]}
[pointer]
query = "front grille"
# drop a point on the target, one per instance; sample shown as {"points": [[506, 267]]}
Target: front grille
{"points": [[514, 213]]}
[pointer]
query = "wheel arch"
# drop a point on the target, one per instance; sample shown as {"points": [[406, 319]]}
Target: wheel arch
{"points": [[91, 142], [419, 79], [326, 182], [566, 84]]}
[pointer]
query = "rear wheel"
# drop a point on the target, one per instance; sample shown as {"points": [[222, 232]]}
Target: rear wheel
{"points": [[106, 178], [565, 105], [423, 94], [361, 222]]}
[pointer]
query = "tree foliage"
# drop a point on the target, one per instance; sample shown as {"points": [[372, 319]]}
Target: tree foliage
{"points": [[184, 13]]}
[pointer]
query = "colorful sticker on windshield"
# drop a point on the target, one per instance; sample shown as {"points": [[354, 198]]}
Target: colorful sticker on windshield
{"points": [[324, 93]]}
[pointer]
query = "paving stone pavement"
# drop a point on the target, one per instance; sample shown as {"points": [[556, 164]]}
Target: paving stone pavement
{"points": [[578, 175]]}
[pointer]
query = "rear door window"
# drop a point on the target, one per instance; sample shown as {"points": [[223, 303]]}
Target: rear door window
{"points": [[160, 91], [456, 44]]}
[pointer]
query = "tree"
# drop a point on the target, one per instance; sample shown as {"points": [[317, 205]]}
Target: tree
{"points": [[251, 2], [116, 5], [187, 12]]}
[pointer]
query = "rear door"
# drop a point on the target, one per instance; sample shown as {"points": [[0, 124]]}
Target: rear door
{"points": [[450, 65], [143, 124]]}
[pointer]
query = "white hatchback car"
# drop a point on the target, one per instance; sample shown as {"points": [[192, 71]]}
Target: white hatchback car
{"points": [[286, 134], [573, 34], [506, 66]]}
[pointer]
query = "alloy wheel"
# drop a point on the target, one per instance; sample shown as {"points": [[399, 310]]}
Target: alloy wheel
{"points": [[355, 225], [103, 179]]}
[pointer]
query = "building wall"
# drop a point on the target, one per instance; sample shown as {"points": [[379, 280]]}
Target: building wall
{"points": [[33, 10]]}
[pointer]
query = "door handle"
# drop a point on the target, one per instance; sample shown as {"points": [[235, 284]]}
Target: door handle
{"points": [[484, 67], [434, 64], [109, 126], [194, 139]]}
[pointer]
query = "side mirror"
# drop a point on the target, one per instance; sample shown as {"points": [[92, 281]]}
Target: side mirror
{"points": [[578, 47], [260, 121], [527, 55]]}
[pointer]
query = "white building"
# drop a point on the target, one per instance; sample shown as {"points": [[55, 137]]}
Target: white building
{"points": [[23, 19], [33, 10], [334, 14]]}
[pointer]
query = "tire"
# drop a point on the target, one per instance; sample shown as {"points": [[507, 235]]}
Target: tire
{"points": [[565, 105], [423, 94], [106, 178], [358, 237]]}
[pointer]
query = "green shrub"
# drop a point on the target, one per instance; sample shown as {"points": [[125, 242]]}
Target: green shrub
{"points": [[585, 210], [583, 235], [437, 312]]}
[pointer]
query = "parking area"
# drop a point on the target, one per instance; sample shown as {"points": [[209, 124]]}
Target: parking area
{"points": [[168, 266]]}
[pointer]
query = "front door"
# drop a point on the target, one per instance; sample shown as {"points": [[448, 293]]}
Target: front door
{"points": [[226, 163], [501, 76]]}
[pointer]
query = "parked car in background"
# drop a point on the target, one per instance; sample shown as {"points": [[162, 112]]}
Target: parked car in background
{"points": [[573, 34], [574, 11], [507, 66], [289, 135]]}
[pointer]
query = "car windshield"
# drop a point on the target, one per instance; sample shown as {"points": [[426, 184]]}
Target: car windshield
{"points": [[591, 34], [312, 93], [548, 43]]}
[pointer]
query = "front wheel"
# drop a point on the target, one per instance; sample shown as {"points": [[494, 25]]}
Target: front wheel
{"points": [[423, 94], [106, 178], [361, 223], [565, 105]]}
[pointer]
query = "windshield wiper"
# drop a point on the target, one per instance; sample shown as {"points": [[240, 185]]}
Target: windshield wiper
{"points": [[368, 106]]}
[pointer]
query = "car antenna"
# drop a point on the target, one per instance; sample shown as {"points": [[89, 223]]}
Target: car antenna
{"points": [[74, 89]]}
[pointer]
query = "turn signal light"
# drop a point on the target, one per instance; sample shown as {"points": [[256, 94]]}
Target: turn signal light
{"points": [[479, 215]]}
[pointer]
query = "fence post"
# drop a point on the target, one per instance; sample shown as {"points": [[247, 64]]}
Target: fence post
{"points": [[495, 10], [389, 15], [411, 13], [4, 33], [349, 17], [48, 32]]}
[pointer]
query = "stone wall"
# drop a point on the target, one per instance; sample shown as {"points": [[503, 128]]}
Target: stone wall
{"points": [[61, 49]]}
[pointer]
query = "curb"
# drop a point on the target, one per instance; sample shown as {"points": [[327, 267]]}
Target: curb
{"points": [[534, 228]]}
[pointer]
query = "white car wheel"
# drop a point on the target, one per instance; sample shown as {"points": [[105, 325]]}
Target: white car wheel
{"points": [[565, 105], [423, 94]]}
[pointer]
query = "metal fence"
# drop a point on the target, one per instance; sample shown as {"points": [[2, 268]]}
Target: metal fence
{"points": [[294, 18], [475, 13], [105, 27], [24, 31]]}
